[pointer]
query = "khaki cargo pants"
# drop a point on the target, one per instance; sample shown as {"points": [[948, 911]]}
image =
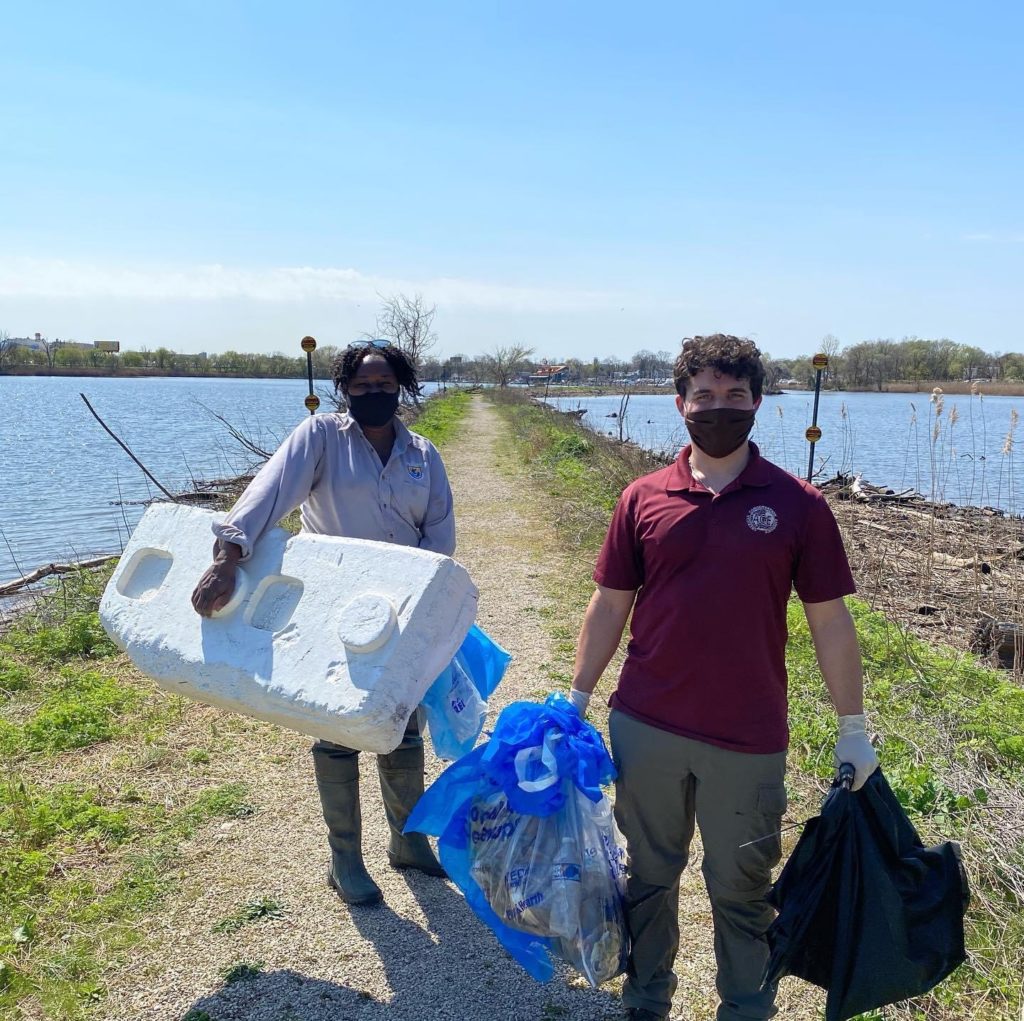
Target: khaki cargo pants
{"points": [[666, 783]]}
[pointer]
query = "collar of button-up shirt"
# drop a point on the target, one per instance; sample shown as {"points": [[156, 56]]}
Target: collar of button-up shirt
{"points": [[402, 437]]}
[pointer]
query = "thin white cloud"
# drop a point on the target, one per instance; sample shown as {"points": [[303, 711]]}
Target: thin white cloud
{"points": [[997, 237], [51, 278]]}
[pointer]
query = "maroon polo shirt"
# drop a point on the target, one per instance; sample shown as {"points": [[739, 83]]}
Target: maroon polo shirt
{"points": [[707, 651]]}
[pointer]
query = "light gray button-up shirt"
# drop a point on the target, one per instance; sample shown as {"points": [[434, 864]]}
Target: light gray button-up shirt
{"points": [[329, 467]]}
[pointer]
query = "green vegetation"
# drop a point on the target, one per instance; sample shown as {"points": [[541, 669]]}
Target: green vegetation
{"points": [[930, 703], [873, 363], [13, 678], [78, 708], [251, 911], [243, 971], [586, 471], [952, 731], [441, 417], [62, 627], [224, 802], [83, 852]]}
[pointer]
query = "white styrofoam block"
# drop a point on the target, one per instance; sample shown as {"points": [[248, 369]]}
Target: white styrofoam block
{"points": [[337, 638]]}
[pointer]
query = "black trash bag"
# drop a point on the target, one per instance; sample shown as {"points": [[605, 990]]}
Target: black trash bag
{"points": [[865, 910]]}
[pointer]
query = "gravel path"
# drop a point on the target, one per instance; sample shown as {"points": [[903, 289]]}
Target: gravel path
{"points": [[423, 955]]}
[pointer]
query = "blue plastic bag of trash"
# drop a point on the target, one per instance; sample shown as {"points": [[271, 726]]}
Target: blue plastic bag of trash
{"points": [[527, 834], [484, 660], [455, 712], [456, 703]]}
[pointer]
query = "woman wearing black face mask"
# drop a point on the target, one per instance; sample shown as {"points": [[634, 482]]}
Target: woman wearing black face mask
{"points": [[364, 475]]}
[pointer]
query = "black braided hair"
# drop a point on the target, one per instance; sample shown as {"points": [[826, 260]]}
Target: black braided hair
{"points": [[345, 365]]}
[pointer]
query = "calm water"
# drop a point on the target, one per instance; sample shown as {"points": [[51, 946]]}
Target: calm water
{"points": [[889, 439], [61, 475]]}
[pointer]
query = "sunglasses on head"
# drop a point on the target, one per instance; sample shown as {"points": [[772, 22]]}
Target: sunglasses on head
{"points": [[371, 342]]}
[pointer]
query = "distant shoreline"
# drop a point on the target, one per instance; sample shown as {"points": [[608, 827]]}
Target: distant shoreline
{"points": [[132, 373], [925, 386], [999, 388]]}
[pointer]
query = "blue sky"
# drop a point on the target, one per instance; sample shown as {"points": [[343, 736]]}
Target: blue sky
{"points": [[584, 178]]}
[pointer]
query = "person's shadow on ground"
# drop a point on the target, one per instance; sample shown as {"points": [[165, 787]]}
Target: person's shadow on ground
{"points": [[453, 968]]}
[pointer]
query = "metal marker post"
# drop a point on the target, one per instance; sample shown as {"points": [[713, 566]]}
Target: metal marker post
{"points": [[312, 401], [813, 434]]}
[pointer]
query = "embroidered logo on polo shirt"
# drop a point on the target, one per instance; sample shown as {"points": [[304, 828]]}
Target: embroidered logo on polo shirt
{"points": [[416, 471], [762, 519]]}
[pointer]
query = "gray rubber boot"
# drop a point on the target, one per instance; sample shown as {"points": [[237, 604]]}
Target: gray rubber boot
{"points": [[337, 779], [401, 785]]}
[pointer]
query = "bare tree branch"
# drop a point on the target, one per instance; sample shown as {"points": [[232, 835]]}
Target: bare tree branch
{"points": [[831, 347], [244, 440], [50, 349], [503, 363], [408, 323], [124, 447]]}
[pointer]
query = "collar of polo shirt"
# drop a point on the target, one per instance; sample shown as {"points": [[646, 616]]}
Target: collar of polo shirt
{"points": [[756, 472]]}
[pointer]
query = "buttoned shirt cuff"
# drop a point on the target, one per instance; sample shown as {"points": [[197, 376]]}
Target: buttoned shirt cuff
{"points": [[231, 533]]}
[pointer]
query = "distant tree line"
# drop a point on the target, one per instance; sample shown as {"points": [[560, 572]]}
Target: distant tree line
{"points": [[406, 321], [516, 363], [866, 365], [869, 364], [67, 355]]}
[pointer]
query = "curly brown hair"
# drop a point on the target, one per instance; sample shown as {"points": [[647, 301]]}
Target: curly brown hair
{"points": [[732, 356]]}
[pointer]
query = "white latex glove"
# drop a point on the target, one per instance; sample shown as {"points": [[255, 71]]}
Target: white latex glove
{"points": [[580, 701], [854, 747]]}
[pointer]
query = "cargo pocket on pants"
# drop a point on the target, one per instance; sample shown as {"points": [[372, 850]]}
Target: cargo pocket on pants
{"points": [[771, 807]]}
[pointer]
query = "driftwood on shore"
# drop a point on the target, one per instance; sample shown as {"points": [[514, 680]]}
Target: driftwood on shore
{"points": [[209, 491], [861, 490], [951, 574], [853, 487], [10, 587]]}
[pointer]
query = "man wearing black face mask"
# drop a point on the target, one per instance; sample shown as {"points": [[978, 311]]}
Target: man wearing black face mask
{"points": [[363, 475], [705, 553]]}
